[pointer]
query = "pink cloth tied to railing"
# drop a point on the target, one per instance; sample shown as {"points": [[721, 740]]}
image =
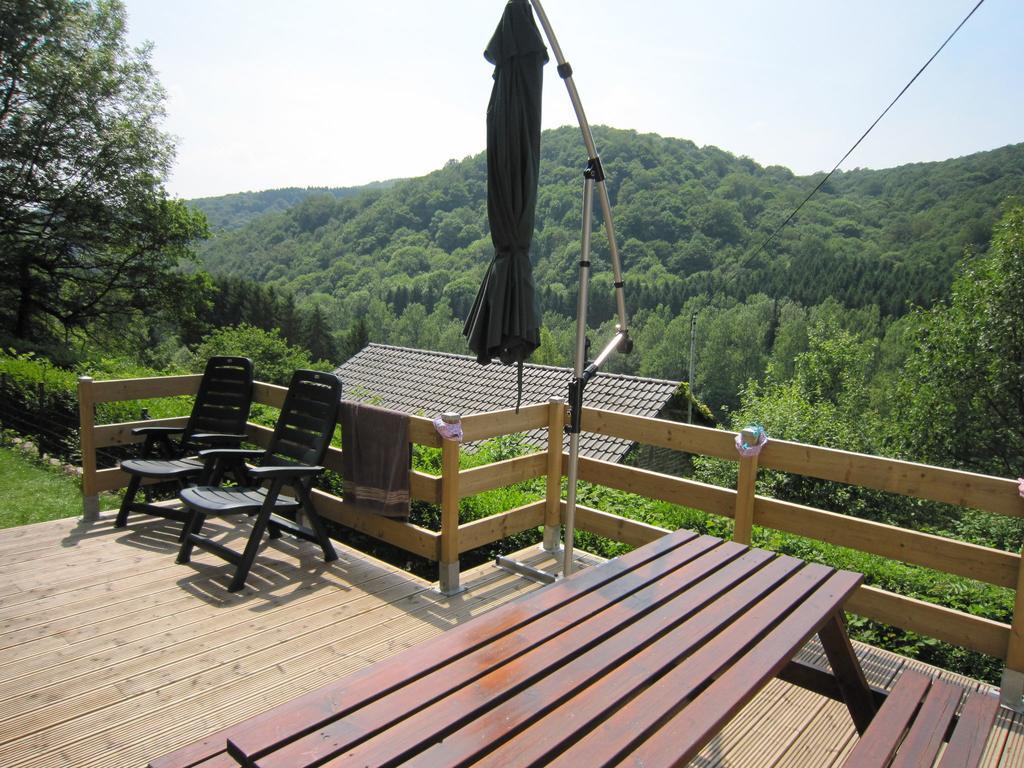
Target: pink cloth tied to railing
{"points": [[375, 459], [751, 440]]}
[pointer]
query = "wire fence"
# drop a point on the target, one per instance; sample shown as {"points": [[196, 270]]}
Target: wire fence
{"points": [[48, 416]]}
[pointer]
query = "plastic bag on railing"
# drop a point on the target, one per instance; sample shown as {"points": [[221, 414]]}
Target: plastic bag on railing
{"points": [[751, 440], [1020, 487], [449, 426]]}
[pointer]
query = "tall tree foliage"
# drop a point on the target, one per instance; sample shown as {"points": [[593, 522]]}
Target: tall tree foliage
{"points": [[962, 399], [86, 230]]}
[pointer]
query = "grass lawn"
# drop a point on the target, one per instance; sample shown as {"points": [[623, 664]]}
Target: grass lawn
{"points": [[30, 493]]}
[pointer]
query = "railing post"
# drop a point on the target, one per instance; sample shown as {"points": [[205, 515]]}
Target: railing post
{"points": [[87, 443], [1011, 690], [448, 567], [745, 484], [553, 509]]}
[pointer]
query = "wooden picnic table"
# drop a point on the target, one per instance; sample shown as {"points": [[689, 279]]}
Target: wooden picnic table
{"points": [[638, 661]]}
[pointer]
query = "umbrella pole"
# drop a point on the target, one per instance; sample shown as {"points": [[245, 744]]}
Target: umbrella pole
{"points": [[578, 382], [582, 371]]}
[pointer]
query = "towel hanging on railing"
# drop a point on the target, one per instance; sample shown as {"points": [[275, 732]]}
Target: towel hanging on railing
{"points": [[375, 459]]}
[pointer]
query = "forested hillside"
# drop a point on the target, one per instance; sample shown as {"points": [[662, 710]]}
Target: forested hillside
{"points": [[403, 264], [239, 208], [687, 219]]}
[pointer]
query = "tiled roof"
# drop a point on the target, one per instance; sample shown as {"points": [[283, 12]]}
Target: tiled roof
{"points": [[428, 383]]}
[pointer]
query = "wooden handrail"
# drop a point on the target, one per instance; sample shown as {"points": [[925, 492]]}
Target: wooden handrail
{"points": [[114, 390], [654, 485], [993, 566], [965, 489], [950, 486]]}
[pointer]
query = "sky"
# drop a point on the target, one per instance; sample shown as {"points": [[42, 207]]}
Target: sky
{"points": [[266, 93]]}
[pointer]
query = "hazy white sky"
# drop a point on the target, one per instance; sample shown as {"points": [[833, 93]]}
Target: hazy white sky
{"points": [[268, 93]]}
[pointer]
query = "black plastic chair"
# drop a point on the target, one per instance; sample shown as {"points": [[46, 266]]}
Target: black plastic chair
{"points": [[218, 418], [293, 458]]}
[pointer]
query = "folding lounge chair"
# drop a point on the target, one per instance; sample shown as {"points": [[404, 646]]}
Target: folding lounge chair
{"points": [[297, 448], [218, 418]]}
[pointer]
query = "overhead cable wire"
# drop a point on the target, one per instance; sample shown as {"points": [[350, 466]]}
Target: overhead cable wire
{"points": [[856, 144]]}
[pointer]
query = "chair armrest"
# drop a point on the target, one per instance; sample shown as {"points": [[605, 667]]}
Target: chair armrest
{"points": [[158, 431], [284, 471], [231, 453], [219, 439]]}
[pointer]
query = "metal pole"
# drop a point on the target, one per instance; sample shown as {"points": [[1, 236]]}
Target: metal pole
{"points": [[583, 372], [584, 281], [578, 366], [693, 346]]}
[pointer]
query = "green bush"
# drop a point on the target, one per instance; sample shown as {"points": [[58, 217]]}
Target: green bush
{"points": [[274, 359], [38, 400]]}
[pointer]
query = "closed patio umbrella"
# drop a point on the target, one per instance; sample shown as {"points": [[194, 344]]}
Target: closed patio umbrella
{"points": [[504, 323]]}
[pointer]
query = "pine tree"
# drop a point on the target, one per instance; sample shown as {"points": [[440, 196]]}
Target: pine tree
{"points": [[318, 339]]}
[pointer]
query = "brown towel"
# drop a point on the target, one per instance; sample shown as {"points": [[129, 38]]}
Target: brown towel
{"points": [[375, 459]]}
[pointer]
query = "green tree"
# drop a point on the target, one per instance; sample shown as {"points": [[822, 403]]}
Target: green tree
{"points": [[823, 404], [731, 349], [961, 401], [356, 339], [318, 336], [86, 229], [274, 360]]}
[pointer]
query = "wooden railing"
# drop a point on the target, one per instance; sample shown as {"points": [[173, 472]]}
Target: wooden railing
{"points": [[742, 504]]}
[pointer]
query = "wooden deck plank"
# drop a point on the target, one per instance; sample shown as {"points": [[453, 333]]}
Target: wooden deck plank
{"points": [[133, 705], [215, 702], [140, 719], [174, 617], [173, 673], [225, 700], [171, 650], [761, 730], [824, 741]]}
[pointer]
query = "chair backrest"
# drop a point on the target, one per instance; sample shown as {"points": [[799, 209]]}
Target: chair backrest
{"points": [[303, 432], [224, 398]]}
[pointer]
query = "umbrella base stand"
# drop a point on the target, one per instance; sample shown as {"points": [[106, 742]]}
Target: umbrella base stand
{"points": [[514, 566]]}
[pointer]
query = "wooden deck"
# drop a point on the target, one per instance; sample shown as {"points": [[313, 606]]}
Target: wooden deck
{"points": [[111, 654]]}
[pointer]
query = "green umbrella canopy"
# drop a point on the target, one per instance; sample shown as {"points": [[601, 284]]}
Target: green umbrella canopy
{"points": [[504, 323]]}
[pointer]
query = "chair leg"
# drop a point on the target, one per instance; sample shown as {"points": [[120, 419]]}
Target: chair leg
{"points": [[318, 527], [252, 546], [321, 537], [194, 525], [126, 503], [274, 531], [184, 483]]}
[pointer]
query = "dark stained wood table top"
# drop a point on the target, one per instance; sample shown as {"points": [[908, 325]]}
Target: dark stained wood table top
{"points": [[638, 661]]}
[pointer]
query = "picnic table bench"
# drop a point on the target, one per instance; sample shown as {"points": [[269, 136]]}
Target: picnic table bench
{"points": [[640, 660], [917, 717]]}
